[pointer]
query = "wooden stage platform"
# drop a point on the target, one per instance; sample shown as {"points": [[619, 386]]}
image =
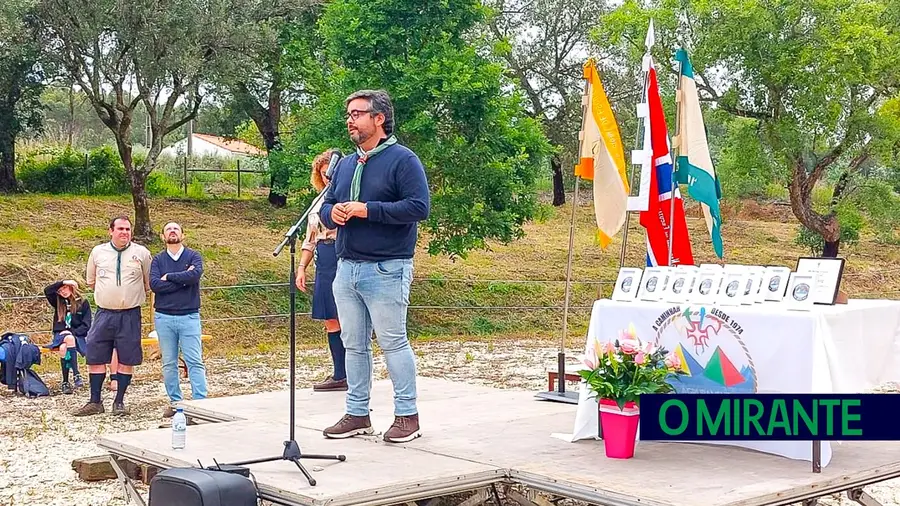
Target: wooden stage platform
{"points": [[476, 436]]}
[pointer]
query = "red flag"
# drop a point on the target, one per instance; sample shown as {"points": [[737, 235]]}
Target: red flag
{"points": [[656, 218]]}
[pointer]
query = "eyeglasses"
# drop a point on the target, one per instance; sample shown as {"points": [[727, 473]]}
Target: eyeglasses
{"points": [[356, 113]]}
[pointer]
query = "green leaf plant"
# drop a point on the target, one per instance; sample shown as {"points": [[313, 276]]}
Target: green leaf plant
{"points": [[624, 368]]}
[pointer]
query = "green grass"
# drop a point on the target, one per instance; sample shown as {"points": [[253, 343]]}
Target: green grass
{"points": [[46, 238]]}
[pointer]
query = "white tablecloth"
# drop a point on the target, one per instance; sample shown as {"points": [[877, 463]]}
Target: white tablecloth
{"points": [[764, 348]]}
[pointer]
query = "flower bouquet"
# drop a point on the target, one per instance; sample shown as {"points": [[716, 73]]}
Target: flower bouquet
{"points": [[617, 373]]}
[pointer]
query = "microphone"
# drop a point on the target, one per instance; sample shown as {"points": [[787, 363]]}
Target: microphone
{"points": [[335, 158]]}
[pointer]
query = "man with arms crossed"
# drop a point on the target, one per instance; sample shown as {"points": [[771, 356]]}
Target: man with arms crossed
{"points": [[119, 273], [377, 197], [175, 279]]}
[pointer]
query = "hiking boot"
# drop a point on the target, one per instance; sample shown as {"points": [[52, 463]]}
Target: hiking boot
{"points": [[118, 409], [78, 381], [349, 426], [404, 430], [66, 388], [331, 385], [90, 409], [169, 412]]}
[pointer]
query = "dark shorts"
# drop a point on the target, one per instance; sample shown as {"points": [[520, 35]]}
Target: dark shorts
{"points": [[115, 329]]}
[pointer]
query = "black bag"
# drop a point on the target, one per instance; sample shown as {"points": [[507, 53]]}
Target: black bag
{"points": [[201, 487], [31, 385]]}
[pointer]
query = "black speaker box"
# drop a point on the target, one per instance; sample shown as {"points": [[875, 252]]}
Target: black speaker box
{"points": [[201, 487]]}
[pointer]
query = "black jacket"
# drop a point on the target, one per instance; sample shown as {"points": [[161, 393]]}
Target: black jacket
{"points": [[81, 319]]}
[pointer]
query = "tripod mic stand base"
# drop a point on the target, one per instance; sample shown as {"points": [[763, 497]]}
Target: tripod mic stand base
{"points": [[293, 454]]}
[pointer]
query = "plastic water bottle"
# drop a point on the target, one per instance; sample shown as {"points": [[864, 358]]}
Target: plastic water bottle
{"points": [[179, 429]]}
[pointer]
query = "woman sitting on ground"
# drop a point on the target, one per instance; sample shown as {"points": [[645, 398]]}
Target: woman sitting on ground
{"points": [[71, 321]]}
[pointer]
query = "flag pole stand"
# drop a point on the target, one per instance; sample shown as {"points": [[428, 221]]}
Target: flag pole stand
{"points": [[560, 394]]}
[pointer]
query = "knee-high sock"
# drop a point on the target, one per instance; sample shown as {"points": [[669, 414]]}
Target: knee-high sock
{"points": [[64, 365], [123, 381], [96, 385], [337, 355]]}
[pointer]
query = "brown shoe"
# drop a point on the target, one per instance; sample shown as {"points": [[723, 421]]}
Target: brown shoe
{"points": [[89, 409], [404, 430], [331, 385], [169, 412], [349, 426], [119, 409]]}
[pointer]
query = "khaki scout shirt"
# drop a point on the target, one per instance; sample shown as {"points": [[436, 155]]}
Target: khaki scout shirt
{"points": [[129, 288]]}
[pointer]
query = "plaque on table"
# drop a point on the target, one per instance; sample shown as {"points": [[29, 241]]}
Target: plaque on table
{"points": [[827, 273], [653, 283], [800, 291], [679, 285], [734, 287], [775, 283], [706, 286], [627, 284], [753, 285]]}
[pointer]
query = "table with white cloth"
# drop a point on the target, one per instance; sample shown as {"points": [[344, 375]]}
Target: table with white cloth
{"points": [[759, 348]]}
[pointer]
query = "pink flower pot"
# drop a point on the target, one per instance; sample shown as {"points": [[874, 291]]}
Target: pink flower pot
{"points": [[619, 428]]}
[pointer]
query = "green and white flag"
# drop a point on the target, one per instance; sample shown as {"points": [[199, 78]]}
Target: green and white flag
{"points": [[694, 164]]}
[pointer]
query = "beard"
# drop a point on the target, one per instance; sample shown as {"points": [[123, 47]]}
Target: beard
{"points": [[173, 240], [360, 137]]}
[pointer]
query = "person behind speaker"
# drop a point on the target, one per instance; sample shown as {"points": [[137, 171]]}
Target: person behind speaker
{"points": [[319, 245], [377, 197], [175, 275], [119, 273]]}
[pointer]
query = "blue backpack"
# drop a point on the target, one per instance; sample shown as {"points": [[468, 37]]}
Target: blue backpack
{"points": [[18, 350]]}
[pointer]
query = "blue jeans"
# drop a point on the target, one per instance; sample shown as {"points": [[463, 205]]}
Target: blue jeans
{"points": [[375, 296], [181, 332]]}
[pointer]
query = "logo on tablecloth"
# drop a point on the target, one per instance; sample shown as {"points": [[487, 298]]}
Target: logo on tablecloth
{"points": [[712, 352]]}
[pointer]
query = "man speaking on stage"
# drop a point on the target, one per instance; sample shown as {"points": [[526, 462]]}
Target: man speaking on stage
{"points": [[376, 199]]}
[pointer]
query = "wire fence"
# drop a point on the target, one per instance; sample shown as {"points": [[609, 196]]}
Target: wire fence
{"points": [[414, 307], [4, 298], [572, 307]]}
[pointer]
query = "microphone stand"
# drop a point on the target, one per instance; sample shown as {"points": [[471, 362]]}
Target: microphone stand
{"points": [[292, 450]]}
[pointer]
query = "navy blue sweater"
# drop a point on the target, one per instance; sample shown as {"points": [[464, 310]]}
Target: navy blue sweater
{"points": [[395, 191], [179, 294]]}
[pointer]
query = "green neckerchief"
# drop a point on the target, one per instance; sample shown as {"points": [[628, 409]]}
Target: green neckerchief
{"points": [[363, 158], [119, 261]]}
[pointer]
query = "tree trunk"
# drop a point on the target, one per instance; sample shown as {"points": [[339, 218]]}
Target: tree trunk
{"points": [[559, 190], [143, 232], [270, 137], [826, 226], [7, 163]]}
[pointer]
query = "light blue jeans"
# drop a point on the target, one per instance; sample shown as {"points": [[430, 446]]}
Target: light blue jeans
{"points": [[181, 332], [375, 296]]}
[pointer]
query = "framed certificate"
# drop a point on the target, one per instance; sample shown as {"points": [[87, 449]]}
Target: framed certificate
{"points": [[775, 282], [734, 288], [800, 291], [827, 273], [653, 283], [627, 284]]}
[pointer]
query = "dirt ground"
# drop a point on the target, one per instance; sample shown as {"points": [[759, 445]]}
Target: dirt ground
{"points": [[40, 438]]}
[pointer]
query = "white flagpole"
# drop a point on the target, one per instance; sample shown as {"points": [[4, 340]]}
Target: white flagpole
{"points": [[649, 40]]}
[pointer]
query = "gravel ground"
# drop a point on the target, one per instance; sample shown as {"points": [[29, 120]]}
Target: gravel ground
{"points": [[40, 438]]}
